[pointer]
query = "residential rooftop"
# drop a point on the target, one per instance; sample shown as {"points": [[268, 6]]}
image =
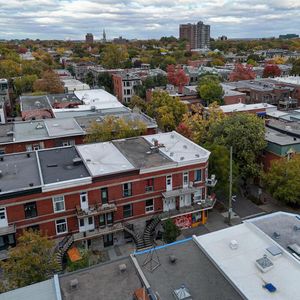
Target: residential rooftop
{"points": [[104, 281], [6, 133], [241, 107], [61, 127], [250, 259], [29, 131], [29, 103], [280, 138], [141, 153], [289, 79], [192, 269], [19, 172], [103, 159], [58, 165]]}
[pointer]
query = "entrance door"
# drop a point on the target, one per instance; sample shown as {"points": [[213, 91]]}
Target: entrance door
{"points": [[169, 183], [84, 203], [3, 217], [86, 224], [108, 240], [185, 179]]}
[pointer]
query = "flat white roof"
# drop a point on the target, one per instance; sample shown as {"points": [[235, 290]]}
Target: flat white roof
{"points": [[289, 79], [178, 148], [238, 107], [239, 265], [103, 159], [73, 84], [276, 113], [61, 127]]}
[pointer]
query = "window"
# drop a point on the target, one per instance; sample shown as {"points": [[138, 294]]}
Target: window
{"points": [[185, 182], [127, 189], [149, 206], [30, 210], [61, 226], [150, 185], [127, 211], [91, 220], [2, 214], [104, 195], [198, 175], [109, 218], [58, 203], [33, 228], [81, 222], [102, 220]]}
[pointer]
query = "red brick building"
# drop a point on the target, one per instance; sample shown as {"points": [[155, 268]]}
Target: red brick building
{"points": [[94, 192]]}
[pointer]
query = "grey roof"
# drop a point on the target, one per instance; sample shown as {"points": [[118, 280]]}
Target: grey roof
{"points": [[279, 138], [192, 268], [30, 130], [102, 282], [61, 98], [57, 165], [138, 151], [283, 228], [61, 127], [19, 171], [4, 129], [45, 290], [29, 103]]}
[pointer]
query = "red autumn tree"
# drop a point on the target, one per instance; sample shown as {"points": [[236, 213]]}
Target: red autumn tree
{"points": [[177, 77], [241, 72], [271, 70]]}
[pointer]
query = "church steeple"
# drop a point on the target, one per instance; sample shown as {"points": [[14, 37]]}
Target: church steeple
{"points": [[104, 36]]}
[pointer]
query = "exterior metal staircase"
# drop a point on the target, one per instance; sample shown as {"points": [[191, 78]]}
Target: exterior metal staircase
{"points": [[61, 249]]}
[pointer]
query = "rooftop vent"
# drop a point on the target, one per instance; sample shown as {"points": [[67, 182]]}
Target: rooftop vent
{"points": [[264, 264], [93, 108], [197, 155], [296, 228], [51, 165], [37, 103], [1, 173], [77, 161], [185, 146], [182, 158], [39, 126], [55, 125], [172, 136], [28, 154], [276, 235], [31, 184], [182, 293], [171, 154], [9, 133]]}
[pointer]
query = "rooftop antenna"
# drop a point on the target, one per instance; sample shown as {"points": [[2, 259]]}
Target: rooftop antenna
{"points": [[151, 263]]}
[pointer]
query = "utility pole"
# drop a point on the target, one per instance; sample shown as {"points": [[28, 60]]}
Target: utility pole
{"points": [[230, 189]]}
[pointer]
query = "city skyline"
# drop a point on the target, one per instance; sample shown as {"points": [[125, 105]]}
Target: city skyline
{"points": [[53, 19]]}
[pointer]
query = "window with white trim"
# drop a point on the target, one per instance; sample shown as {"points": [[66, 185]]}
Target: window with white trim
{"points": [[198, 175], [127, 191], [149, 206], [58, 203], [61, 226]]}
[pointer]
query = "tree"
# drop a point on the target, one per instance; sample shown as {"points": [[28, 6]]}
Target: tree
{"points": [[219, 166], [177, 77], [241, 72], [246, 134], [196, 123], [89, 79], [105, 80], [9, 69], [114, 56], [251, 62], [49, 83], [217, 62], [114, 128], [167, 110], [210, 89], [283, 180], [296, 67], [31, 261], [24, 84], [271, 70], [171, 231], [138, 102]]}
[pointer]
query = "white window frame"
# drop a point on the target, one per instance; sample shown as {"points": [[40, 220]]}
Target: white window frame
{"points": [[56, 228], [55, 200], [150, 208], [185, 179]]}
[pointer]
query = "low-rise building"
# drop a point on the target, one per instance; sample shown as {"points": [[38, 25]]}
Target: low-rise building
{"points": [[96, 191]]}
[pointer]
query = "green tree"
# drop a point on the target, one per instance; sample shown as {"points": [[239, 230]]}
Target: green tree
{"points": [[31, 261], [283, 180], [171, 231], [89, 79], [105, 80], [114, 128], [114, 56], [210, 89], [138, 102], [49, 83], [219, 166], [9, 69], [296, 67], [24, 84], [167, 110], [246, 134]]}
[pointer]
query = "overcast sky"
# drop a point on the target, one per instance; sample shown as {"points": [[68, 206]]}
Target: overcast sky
{"points": [[72, 19]]}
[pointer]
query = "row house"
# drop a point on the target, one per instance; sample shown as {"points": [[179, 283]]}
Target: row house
{"points": [[103, 193]]}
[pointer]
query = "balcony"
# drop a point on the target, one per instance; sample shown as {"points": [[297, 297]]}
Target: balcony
{"points": [[95, 210], [202, 204], [211, 182], [80, 236], [180, 192], [8, 230]]}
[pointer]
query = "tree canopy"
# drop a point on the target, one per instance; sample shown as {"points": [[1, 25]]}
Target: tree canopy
{"points": [[241, 72], [167, 110], [31, 261], [246, 134], [114, 128], [114, 56], [296, 67], [271, 70], [283, 180], [49, 83]]}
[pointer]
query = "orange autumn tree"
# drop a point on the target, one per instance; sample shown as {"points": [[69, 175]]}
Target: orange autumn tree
{"points": [[177, 77]]}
